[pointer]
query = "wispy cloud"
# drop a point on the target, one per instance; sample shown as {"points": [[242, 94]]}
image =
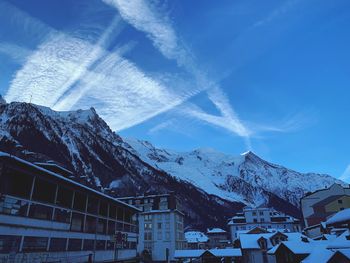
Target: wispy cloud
{"points": [[67, 71], [276, 13], [147, 18], [346, 175], [228, 118]]}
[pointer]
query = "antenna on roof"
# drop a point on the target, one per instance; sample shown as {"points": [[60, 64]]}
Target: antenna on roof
{"points": [[30, 100]]}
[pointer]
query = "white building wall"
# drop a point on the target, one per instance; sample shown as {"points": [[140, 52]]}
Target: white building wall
{"points": [[162, 239]]}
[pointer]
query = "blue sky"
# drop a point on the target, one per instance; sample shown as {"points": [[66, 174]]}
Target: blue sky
{"points": [[268, 76]]}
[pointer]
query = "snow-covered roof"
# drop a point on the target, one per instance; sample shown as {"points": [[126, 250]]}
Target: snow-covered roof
{"points": [[319, 255], [250, 241], [3, 154], [227, 252], [340, 217], [196, 253], [320, 250], [215, 231], [188, 253], [195, 237]]}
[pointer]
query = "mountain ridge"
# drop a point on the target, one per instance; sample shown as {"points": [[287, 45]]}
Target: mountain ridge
{"points": [[100, 158]]}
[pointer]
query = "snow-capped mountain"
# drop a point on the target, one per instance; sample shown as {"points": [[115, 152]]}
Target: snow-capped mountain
{"points": [[211, 185], [244, 178]]}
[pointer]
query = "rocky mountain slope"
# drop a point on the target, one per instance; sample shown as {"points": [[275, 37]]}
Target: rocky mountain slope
{"points": [[211, 185], [244, 178]]}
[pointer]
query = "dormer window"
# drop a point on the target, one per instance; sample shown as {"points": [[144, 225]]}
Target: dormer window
{"points": [[262, 243]]}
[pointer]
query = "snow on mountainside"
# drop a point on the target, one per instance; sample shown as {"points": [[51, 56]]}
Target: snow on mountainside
{"points": [[244, 178], [83, 143]]}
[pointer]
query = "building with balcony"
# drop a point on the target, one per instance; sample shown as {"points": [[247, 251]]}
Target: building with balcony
{"points": [[262, 217], [47, 217], [161, 225], [318, 206]]}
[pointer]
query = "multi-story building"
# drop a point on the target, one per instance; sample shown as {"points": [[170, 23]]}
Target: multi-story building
{"points": [[217, 238], [196, 240], [47, 217], [161, 225], [263, 217], [321, 204]]}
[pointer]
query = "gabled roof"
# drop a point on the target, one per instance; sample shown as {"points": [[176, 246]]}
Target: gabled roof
{"points": [[258, 230], [250, 241], [195, 237]]}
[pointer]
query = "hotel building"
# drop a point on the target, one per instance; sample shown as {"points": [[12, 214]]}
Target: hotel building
{"points": [[161, 225], [47, 217]]}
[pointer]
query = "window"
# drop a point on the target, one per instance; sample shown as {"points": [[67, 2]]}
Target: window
{"points": [[261, 213], [167, 235], [101, 226], [120, 214], [62, 215], [148, 226], [40, 211], [167, 225], [120, 226], [127, 216], [64, 197], [159, 235], [100, 244], [79, 201], [148, 217], [16, 183], [254, 213], [159, 225], [92, 205], [88, 244], [148, 236], [58, 244], [90, 224], [262, 243], [77, 222], [9, 243], [113, 212], [103, 208], [110, 245], [127, 227], [74, 244], [12, 206], [340, 201], [262, 219], [255, 220], [44, 191], [33, 244], [111, 227]]}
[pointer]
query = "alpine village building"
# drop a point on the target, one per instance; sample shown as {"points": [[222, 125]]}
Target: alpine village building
{"points": [[47, 217], [161, 225]]}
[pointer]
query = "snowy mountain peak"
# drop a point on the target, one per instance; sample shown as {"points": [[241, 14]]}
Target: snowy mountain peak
{"points": [[245, 178]]}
